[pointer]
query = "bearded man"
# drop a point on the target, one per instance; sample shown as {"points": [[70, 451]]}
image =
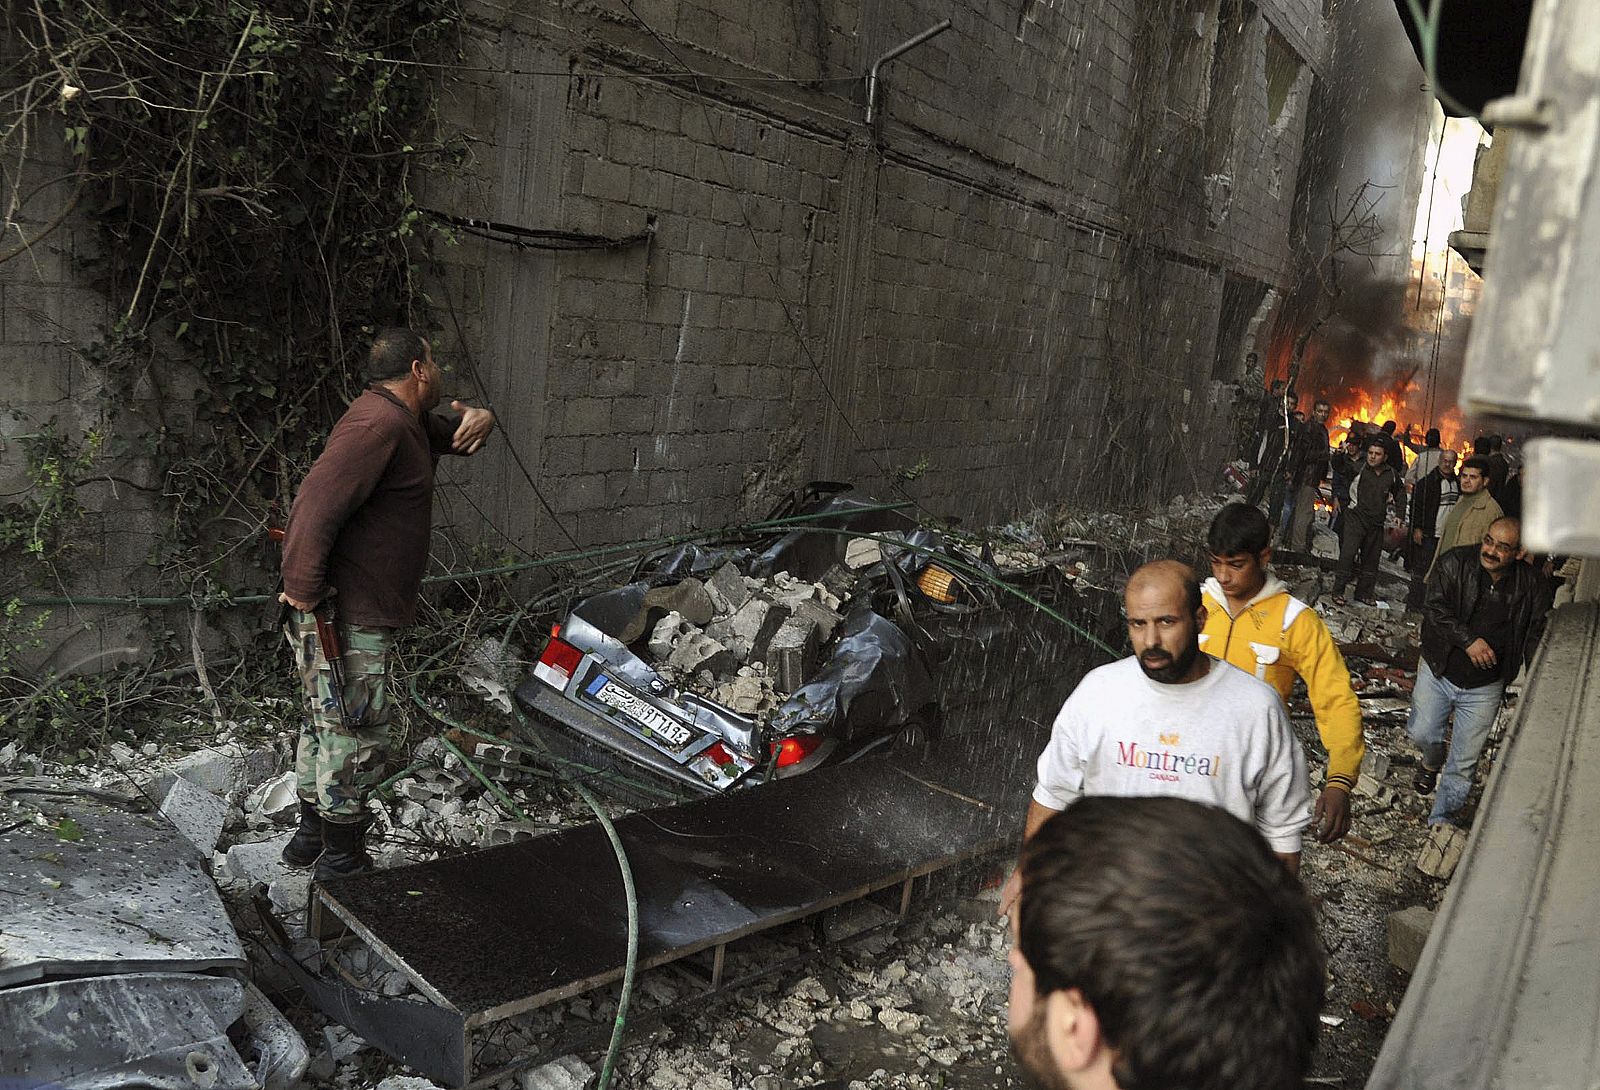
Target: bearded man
{"points": [[1170, 720]]}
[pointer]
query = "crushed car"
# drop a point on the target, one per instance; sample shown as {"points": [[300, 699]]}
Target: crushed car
{"points": [[720, 668]]}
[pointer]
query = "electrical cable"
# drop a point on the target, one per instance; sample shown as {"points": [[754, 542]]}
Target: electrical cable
{"points": [[815, 81], [557, 559]]}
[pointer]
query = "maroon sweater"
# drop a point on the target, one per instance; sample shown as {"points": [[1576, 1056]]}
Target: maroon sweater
{"points": [[361, 521]]}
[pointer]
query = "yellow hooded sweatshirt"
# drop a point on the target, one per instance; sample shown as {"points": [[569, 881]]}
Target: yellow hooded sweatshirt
{"points": [[1276, 636]]}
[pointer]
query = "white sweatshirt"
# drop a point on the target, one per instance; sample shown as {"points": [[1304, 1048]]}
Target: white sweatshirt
{"points": [[1223, 740]]}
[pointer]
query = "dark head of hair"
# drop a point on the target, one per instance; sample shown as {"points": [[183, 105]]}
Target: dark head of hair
{"points": [[1238, 528], [392, 352], [1195, 947], [1478, 462], [1495, 443], [1480, 445], [1432, 438], [1388, 427]]}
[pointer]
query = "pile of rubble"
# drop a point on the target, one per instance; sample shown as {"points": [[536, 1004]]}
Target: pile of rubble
{"points": [[746, 643]]}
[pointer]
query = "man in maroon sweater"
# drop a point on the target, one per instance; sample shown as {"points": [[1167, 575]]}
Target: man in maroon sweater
{"points": [[359, 529]]}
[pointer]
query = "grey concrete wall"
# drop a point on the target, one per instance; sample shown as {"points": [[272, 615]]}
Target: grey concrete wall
{"points": [[1008, 290]]}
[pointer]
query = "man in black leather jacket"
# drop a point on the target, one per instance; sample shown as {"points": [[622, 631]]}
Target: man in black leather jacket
{"points": [[1481, 617]]}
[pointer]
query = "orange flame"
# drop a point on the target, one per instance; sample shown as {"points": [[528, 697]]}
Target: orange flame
{"points": [[1358, 406]]}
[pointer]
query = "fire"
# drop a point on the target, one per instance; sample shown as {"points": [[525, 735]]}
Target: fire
{"points": [[1358, 406]]}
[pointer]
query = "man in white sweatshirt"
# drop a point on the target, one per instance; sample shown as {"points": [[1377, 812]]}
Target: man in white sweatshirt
{"points": [[1169, 720]]}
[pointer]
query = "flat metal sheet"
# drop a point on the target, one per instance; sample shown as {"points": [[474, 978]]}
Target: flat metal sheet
{"points": [[111, 891], [161, 1030], [512, 927]]}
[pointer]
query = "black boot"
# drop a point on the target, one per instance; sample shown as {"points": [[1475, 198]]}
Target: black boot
{"points": [[344, 854], [306, 844]]}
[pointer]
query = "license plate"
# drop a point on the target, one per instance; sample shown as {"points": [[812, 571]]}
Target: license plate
{"points": [[649, 719]]}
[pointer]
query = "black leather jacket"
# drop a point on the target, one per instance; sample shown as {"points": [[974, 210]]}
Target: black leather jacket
{"points": [[1453, 589]]}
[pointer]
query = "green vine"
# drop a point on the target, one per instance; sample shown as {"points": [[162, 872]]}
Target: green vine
{"points": [[248, 165]]}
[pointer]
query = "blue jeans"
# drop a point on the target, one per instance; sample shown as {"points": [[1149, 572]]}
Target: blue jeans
{"points": [[1432, 703]]}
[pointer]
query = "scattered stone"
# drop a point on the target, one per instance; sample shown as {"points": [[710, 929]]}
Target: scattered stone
{"points": [[342, 1042], [407, 1082], [196, 813], [747, 632], [1442, 852], [792, 654], [862, 552], [698, 651], [123, 756], [276, 800], [824, 618], [1375, 764], [261, 861], [567, 1073], [218, 769], [1408, 933], [728, 590], [665, 636], [290, 893], [899, 1022], [689, 599]]}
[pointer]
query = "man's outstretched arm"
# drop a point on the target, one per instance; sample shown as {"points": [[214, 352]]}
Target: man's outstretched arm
{"points": [[1038, 814]]}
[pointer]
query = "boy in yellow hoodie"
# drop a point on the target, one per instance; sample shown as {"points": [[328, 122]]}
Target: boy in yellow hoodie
{"points": [[1253, 622]]}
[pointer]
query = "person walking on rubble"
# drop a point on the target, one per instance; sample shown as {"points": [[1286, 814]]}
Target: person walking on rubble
{"points": [[1308, 468], [1469, 518], [357, 537], [1253, 622], [1362, 538], [1158, 945], [1481, 618], [1432, 500], [1170, 720]]}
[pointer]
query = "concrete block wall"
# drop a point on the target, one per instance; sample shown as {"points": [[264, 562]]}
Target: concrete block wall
{"points": [[945, 298], [978, 303]]}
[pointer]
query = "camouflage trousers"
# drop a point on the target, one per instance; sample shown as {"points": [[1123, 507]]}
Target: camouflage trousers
{"points": [[337, 764]]}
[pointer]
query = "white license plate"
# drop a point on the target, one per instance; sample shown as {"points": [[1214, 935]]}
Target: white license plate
{"points": [[655, 722]]}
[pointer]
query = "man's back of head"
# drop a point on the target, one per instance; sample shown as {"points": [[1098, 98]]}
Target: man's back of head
{"points": [[1160, 944]]}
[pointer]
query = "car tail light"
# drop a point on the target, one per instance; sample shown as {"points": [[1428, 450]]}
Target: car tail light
{"points": [[791, 751], [558, 662], [716, 753], [938, 584]]}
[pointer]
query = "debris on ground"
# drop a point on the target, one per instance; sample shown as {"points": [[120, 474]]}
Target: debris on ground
{"points": [[923, 1006]]}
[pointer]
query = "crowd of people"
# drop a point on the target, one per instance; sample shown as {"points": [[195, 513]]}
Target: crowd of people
{"points": [[1156, 941], [1161, 937], [1437, 498]]}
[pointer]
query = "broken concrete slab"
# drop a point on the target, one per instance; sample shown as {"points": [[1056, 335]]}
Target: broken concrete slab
{"points": [[862, 552], [1408, 933], [218, 769], [567, 1073], [1375, 764], [665, 636], [195, 813], [688, 598], [136, 1029], [698, 651], [728, 590], [1442, 852], [824, 619], [275, 800], [261, 861], [738, 631], [792, 654]]}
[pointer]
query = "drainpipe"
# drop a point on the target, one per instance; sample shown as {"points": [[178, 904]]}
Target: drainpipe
{"points": [[909, 44]]}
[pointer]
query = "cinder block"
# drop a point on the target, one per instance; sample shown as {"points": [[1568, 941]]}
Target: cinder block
{"points": [[1408, 933]]}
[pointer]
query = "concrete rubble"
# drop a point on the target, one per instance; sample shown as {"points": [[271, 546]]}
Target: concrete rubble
{"points": [[921, 1008], [759, 639]]}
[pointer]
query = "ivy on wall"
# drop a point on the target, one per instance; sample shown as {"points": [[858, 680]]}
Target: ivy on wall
{"points": [[248, 165]]}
